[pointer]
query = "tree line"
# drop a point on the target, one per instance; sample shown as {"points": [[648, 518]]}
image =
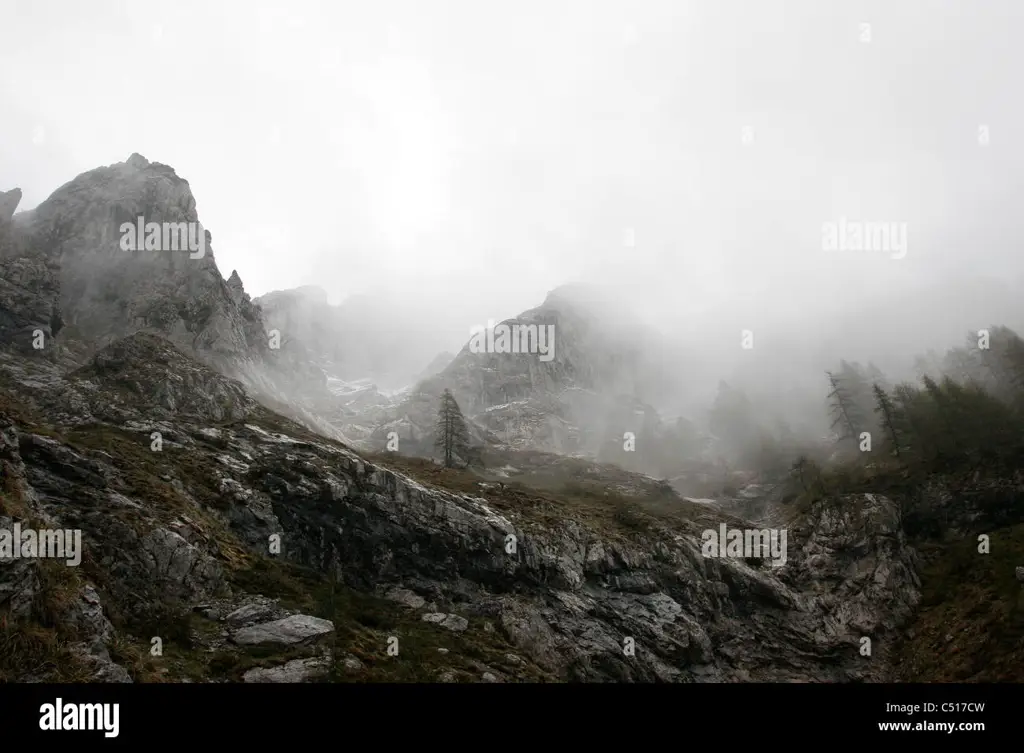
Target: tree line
{"points": [[967, 408]]}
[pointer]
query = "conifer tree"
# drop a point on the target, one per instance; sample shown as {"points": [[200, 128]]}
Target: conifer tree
{"points": [[846, 416], [451, 434], [890, 418]]}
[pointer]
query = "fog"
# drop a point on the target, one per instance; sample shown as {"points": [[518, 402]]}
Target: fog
{"points": [[455, 161]]}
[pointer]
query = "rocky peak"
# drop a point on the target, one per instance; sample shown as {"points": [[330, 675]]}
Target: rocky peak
{"points": [[236, 288], [137, 161], [9, 203], [116, 280], [120, 250]]}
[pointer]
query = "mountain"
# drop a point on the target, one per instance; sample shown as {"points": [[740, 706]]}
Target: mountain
{"points": [[587, 383], [110, 288], [583, 398], [146, 420], [108, 292]]}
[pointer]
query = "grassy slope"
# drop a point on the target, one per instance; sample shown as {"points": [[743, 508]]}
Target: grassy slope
{"points": [[970, 624]]}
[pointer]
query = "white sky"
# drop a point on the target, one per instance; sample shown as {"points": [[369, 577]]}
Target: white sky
{"points": [[463, 158]]}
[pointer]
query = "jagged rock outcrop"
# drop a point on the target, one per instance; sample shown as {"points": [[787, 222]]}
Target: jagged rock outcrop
{"points": [[157, 379], [237, 290], [30, 308], [9, 201], [30, 312], [109, 291]]}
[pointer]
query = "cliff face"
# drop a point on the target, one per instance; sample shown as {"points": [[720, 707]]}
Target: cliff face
{"points": [[30, 301], [109, 291]]}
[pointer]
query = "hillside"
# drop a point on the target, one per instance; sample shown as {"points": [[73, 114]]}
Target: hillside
{"points": [[177, 538]]}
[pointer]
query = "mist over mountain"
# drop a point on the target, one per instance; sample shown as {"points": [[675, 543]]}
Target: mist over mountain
{"points": [[365, 337], [669, 342]]}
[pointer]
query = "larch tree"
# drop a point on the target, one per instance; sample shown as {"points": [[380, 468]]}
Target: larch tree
{"points": [[451, 434], [890, 418]]}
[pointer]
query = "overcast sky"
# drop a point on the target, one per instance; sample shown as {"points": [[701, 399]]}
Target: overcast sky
{"points": [[466, 157]]}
